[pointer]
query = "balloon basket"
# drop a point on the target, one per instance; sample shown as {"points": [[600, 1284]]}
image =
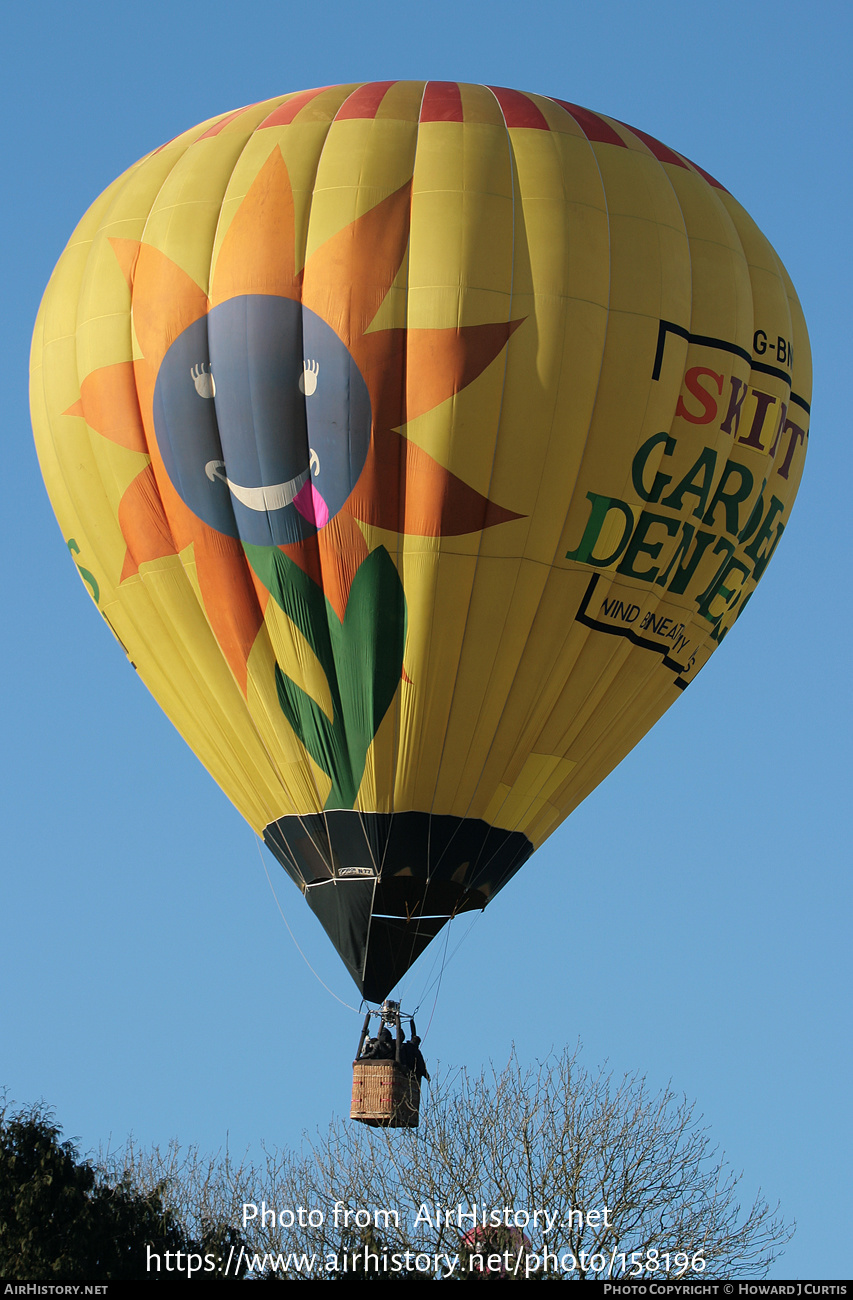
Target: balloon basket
{"points": [[385, 1095]]}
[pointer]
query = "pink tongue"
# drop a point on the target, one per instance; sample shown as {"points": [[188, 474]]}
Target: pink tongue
{"points": [[311, 506]]}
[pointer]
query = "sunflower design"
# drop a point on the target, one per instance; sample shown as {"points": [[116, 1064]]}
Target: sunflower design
{"points": [[274, 417]]}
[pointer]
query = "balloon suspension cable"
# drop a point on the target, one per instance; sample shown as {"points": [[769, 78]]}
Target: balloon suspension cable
{"points": [[442, 964], [437, 982], [445, 961], [293, 936], [429, 982]]}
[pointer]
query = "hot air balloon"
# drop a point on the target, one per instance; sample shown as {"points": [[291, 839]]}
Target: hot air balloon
{"points": [[419, 442]]}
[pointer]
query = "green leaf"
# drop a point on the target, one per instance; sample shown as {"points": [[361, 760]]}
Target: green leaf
{"points": [[362, 658]]}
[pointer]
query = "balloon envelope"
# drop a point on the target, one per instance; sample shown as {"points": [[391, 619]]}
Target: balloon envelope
{"points": [[419, 442]]}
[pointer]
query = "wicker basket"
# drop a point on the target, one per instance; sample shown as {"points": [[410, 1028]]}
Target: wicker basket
{"points": [[385, 1095]]}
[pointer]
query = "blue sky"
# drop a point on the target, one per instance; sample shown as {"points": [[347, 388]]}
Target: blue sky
{"points": [[691, 920]]}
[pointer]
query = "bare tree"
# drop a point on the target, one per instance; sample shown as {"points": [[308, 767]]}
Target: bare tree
{"points": [[546, 1172]]}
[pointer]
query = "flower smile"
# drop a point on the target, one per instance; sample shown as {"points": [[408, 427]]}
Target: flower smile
{"points": [[274, 497]]}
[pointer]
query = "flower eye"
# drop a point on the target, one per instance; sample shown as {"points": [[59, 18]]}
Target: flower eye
{"points": [[308, 378], [202, 377]]}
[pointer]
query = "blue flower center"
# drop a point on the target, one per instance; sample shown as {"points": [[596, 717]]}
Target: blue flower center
{"points": [[263, 419]]}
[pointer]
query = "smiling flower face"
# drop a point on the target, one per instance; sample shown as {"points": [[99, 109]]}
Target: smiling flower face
{"points": [[263, 420]]}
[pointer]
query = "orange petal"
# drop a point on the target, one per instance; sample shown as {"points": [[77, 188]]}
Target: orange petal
{"points": [[365, 257], [408, 372], [257, 252], [381, 359], [403, 489], [165, 299], [230, 600], [442, 362], [143, 523], [110, 405]]}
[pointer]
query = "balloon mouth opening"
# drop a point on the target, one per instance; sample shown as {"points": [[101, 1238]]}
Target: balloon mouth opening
{"points": [[435, 867]]}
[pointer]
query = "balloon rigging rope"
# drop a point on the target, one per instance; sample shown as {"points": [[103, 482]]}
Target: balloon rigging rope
{"points": [[445, 961], [429, 982], [438, 981], [293, 936]]}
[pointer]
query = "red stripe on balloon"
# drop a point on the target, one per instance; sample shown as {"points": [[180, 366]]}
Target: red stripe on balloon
{"points": [[223, 122], [594, 127], [518, 109], [365, 101], [442, 102], [707, 175], [285, 113], [661, 151]]}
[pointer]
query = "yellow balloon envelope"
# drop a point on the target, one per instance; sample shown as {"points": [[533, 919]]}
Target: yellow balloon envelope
{"points": [[419, 442]]}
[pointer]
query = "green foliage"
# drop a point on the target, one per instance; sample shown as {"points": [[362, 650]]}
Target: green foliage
{"points": [[60, 1219]]}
